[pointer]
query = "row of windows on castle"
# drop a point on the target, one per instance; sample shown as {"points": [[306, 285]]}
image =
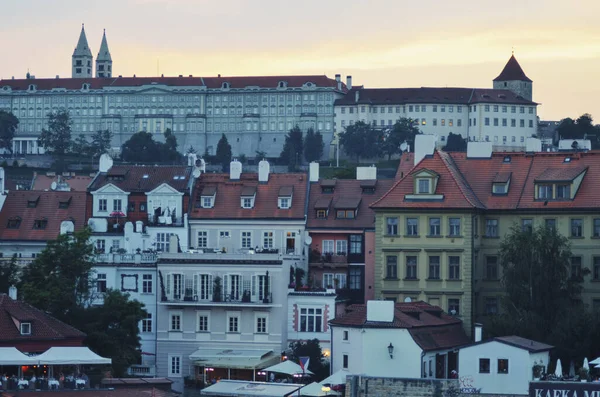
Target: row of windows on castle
{"points": [[450, 122], [435, 108]]}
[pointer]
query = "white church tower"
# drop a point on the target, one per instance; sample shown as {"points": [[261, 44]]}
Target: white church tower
{"points": [[82, 58], [104, 60]]}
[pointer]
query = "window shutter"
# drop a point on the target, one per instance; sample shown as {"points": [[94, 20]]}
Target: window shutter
{"points": [[226, 292], [210, 286], [269, 292], [196, 276], [254, 288], [240, 289], [169, 277], [182, 287]]}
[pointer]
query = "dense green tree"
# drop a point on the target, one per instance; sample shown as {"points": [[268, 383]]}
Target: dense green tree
{"points": [[101, 142], [582, 128], [81, 146], [191, 150], [57, 138], [293, 149], [9, 274], [142, 148], [8, 125], [361, 140], [58, 281], [313, 145], [223, 155], [112, 330], [404, 130], [455, 143], [312, 349]]}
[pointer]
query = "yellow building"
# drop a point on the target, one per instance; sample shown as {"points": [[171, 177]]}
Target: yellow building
{"points": [[439, 228]]}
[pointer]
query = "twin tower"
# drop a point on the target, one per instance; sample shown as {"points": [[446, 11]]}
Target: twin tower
{"points": [[82, 60]]}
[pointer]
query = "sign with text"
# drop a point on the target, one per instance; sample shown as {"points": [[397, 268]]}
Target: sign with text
{"points": [[564, 389]]}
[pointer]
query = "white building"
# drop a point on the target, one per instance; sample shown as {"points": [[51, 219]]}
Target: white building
{"points": [[387, 339], [504, 115], [502, 365]]}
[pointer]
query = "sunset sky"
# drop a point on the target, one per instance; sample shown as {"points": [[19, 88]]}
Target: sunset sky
{"points": [[381, 43]]}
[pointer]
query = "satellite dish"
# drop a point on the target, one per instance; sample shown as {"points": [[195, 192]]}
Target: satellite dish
{"points": [[404, 146], [197, 172], [407, 299], [308, 240], [53, 185]]}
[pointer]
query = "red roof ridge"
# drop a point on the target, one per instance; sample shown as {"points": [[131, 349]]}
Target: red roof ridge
{"points": [[460, 180]]}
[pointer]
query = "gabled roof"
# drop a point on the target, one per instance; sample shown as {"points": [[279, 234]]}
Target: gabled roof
{"points": [[512, 71], [348, 194], [43, 326], [48, 207], [429, 326], [227, 203], [502, 177], [143, 179], [515, 341], [560, 174]]}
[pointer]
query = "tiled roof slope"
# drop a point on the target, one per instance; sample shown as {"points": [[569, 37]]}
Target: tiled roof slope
{"points": [[429, 326], [43, 326], [456, 191], [133, 179], [48, 207], [512, 71], [209, 82], [345, 189], [430, 95], [77, 183], [227, 204], [524, 343], [463, 180]]}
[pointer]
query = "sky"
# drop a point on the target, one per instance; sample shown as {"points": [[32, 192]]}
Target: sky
{"points": [[381, 43]]}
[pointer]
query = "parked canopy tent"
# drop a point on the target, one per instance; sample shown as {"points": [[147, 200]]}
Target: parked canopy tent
{"points": [[70, 355], [337, 378], [316, 390], [12, 356], [287, 367]]}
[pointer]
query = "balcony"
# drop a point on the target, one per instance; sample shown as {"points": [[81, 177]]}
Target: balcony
{"points": [[165, 221], [142, 258], [19, 261], [241, 251], [328, 259], [141, 370], [243, 300]]}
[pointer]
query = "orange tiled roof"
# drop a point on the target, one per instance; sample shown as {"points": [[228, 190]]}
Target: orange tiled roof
{"points": [[77, 183]]}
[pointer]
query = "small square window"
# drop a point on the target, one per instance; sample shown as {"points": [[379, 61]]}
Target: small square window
{"points": [[502, 365], [321, 214], [345, 337], [25, 328], [484, 365], [345, 361]]}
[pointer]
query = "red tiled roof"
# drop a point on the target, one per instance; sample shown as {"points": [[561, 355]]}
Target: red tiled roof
{"points": [[134, 181], [407, 163], [502, 177], [43, 326], [429, 326], [209, 82], [345, 190], [77, 183], [560, 174], [512, 71], [451, 184], [430, 95], [48, 207], [227, 203], [130, 392]]}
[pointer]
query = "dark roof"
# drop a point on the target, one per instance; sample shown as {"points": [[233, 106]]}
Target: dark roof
{"points": [[286, 191], [502, 177], [512, 71], [209, 82], [524, 343], [430, 95], [140, 178], [77, 183], [43, 326], [209, 191], [560, 174], [48, 208], [227, 200], [328, 182], [429, 326], [348, 194]]}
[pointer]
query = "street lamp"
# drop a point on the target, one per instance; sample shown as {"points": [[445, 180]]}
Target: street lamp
{"points": [[391, 350]]}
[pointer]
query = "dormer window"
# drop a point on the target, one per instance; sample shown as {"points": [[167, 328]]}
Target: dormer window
{"points": [[32, 201], [321, 214], [345, 214], [31, 87], [282, 84], [346, 208], [501, 183], [64, 203], [14, 223], [85, 87], [284, 203], [322, 207], [563, 191], [248, 196], [40, 224], [559, 183], [25, 328], [208, 202], [424, 186], [207, 197], [368, 186], [284, 200], [328, 186], [544, 191], [225, 85]]}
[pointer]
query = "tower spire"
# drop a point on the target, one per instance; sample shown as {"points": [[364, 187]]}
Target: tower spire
{"points": [[82, 58], [82, 49], [104, 60]]}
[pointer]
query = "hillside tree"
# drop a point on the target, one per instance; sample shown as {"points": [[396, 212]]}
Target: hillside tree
{"points": [[404, 130], [56, 139], [101, 142], [455, 143], [293, 149], [361, 140], [9, 274], [313, 145], [223, 154], [8, 125]]}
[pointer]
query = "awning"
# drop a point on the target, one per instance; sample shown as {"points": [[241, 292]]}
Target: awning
{"points": [[288, 367], [70, 355], [243, 388], [12, 356], [237, 359]]}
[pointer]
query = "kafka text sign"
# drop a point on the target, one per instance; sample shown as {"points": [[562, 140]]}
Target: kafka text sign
{"points": [[564, 389]]}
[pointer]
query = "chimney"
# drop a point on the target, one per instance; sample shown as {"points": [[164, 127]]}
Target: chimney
{"points": [[424, 146], [106, 163], [478, 332], [235, 170], [263, 171], [173, 244], [338, 78], [366, 173], [381, 311], [356, 96], [533, 145], [479, 150], [313, 172], [12, 292], [349, 82]]}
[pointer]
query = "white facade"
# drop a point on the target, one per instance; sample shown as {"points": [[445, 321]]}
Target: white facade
{"points": [[495, 379]]}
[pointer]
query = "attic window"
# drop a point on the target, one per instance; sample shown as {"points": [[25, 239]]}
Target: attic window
{"points": [[248, 196], [31, 87], [207, 197], [423, 186], [25, 328], [328, 186], [281, 84], [506, 159], [64, 204], [14, 223], [567, 160], [145, 176], [32, 201], [345, 214], [368, 186], [284, 200], [225, 85], [501, 183], [321, 214], [85, 87], [40, 224], [499, 188]]}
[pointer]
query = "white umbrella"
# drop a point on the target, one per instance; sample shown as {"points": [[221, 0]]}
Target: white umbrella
{"points": [[595, 362], [287, 367], [558, 370], [337, 378], [316, 390], [586, 365]]}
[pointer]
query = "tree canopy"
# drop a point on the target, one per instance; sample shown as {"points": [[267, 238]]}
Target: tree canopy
{"points": [[101, 141], [361, 140], [9, 274], [223, 155], [312, 349], [313, 145], [403, 131], [581, 128], [142, 148], [8, 125], [293, 149], [455, 143], [57, 138]]}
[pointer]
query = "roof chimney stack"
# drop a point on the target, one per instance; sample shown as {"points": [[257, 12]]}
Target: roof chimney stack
{"points": [[356, 96], [263, 171], [349, 82], [235, 170], [313, 172], [106, 163], [12, 292], [478, 332]]}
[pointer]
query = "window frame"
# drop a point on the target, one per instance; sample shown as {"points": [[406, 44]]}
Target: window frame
{"points": [[173, 314], [482, 369], [434, 268], [175, 362], [391, 267]]}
